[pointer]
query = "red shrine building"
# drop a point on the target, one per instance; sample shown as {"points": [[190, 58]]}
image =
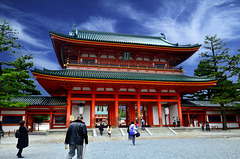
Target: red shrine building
{"points": [[117, 72]]}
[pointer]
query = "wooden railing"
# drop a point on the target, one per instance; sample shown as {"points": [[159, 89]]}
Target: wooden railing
{"points": [[122, 65]]}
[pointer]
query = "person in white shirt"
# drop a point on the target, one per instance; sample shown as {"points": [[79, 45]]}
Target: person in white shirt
{"points": [[132, 131]]}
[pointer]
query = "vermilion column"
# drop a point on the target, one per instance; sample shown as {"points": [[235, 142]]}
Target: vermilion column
{"points": [[131, 113], [127, 116], [116, 110], [159, 109], [92, 125], [138, 108], [51, 119], [150, 115], [68, 109], [179, 109]]}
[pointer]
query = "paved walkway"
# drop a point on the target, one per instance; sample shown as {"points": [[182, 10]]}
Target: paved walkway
{"points": [[214, 144]]}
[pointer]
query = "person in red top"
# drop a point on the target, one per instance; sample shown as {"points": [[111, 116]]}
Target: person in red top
{"points": [[137, 125]]}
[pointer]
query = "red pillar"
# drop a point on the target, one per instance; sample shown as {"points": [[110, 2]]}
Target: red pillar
{"points": [[150, 115], [92, 125], [138, 108], [116, 110], [68, 109], [112, 116], [179, 109], [131, 113], [127, 115], [51, 119], [159, 110]]}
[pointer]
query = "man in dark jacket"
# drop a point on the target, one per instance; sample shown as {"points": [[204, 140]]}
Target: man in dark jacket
{"points": [[75, 136]]}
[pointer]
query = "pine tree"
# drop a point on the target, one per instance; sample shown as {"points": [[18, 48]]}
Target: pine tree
{"points": [[214, 64], [14, 76]]}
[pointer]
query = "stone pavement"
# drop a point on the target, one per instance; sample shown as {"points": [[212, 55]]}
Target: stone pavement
{"points": [[195, 144]]}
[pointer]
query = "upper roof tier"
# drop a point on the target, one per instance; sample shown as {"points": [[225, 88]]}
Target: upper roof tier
{"points": [[78, 40], [121, 38]]}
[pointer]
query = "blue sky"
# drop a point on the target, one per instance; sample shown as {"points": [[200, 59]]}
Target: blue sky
{"points": [[182, 21]]}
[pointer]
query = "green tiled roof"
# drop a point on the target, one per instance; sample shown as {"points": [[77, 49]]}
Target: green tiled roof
{"points": [[121, 38], [121, 75], [42, 101], [205, 103]]}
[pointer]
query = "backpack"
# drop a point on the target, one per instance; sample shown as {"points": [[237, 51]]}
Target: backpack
{"points": [[17, 134], [131, 130]]}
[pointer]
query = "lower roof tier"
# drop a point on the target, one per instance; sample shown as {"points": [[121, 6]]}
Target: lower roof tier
{"points": [[52, 80]]}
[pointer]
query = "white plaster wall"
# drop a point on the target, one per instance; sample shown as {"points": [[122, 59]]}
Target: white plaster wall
{"points": [[173, 112], [42, 126], [219, 125], [230, 112], [12, 112], [213, 112], [10, 128], [86, 114], [155, 115]]}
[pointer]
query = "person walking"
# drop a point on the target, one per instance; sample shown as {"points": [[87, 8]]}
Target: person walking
{"points": [[109, 130], [101, 128], [143, 124], [132, 132], [178, 122], [76, 134], [137, 125], [1, 130], [23, 138], [174, 122], [128, 131], [207, 126], [202, 125]]}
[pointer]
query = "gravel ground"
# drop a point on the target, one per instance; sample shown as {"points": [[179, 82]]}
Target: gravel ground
{"points": [[182, 148]]}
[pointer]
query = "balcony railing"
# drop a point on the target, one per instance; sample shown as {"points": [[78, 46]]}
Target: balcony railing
{"points": [[122, 65]]}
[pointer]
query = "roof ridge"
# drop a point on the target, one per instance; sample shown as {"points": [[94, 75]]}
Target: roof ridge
{"points": [[125, 35]]}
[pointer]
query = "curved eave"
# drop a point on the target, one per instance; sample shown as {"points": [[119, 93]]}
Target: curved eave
{"points": [[118, 81], [126, 45]]}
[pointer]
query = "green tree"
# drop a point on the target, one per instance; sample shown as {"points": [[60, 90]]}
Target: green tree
{"points": [[14, 76], [16, 82], [8, 44], [214, 64]]}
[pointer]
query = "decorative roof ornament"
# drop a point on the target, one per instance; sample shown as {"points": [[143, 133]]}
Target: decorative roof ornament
{"points": [[163, 36], [74, 31]]}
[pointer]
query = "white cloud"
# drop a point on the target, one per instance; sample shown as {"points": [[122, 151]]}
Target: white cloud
{"points": [[43, 59], [207, 17], [23, 36], [99, 24], [43, 62]]}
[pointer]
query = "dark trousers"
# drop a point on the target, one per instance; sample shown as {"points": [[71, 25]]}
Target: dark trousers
{"points": [[71, 152], [20, 152], [101, 132], [133, 138]]}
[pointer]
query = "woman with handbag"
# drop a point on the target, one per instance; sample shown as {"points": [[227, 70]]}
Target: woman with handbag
{"points": [[23, 138]]}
